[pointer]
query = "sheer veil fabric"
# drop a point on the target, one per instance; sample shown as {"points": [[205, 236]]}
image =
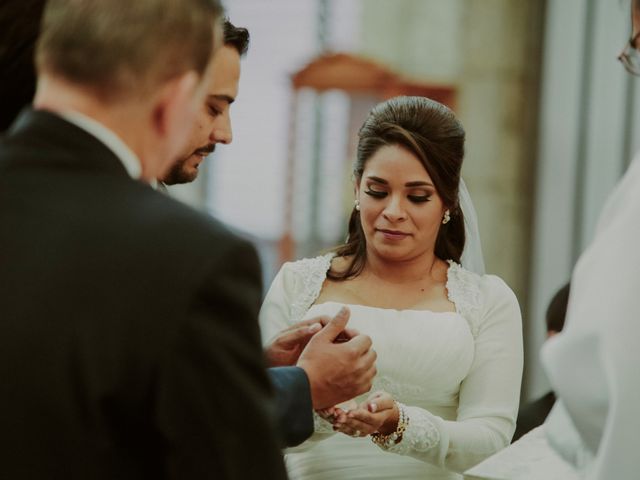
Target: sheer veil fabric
{"points": [[472, 257]]}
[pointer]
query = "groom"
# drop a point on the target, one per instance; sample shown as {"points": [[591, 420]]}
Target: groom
{"points": [[308, 371]]}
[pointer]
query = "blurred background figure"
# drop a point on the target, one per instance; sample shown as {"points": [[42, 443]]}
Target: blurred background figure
{"points": [[535, 412]]}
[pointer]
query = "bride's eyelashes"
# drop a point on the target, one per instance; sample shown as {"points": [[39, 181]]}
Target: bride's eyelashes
{"points": [[382, 194], [375, 193], [419, 198]]}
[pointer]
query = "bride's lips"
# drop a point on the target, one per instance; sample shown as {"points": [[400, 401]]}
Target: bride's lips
{"points": [[392, 234]]}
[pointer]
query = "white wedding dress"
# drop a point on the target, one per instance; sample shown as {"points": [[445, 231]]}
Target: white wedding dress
{"points": [[459, 374]]}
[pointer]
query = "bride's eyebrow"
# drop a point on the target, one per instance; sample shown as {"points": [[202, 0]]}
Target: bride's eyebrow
{"points": [[378, 180], [419, 183], [416, 183]]}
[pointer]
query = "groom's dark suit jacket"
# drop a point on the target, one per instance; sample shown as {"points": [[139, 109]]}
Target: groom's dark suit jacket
{"points": [[129, 346], [294, 409]]}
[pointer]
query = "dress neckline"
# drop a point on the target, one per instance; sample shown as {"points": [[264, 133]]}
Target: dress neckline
{"points": [[399, 310], [456, 310], [463, 288]]}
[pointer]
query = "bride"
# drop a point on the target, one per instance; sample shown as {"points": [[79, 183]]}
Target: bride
{"points": [[448, 337]]}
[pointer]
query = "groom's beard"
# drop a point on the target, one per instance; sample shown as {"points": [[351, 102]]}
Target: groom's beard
{"points": [[185, 170]]}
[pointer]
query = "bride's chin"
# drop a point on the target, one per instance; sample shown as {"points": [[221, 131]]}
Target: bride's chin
{"points": [[390, 252]]}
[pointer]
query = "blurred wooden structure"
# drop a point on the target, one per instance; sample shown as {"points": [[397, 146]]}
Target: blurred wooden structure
{"points": [[357, 77], [353, 74]]}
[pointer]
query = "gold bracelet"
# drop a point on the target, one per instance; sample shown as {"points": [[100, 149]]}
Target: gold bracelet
{"points": [[386, 441]]}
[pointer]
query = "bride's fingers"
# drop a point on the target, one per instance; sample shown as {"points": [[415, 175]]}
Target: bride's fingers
{"points": [[363, 416], [376, 394], [350, 432], [340, 416], [327, 412], [383, 402], [355, 427], [346, 407]]}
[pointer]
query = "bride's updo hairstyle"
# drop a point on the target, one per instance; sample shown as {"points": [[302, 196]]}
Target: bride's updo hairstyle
{"points": [[431, 132]]}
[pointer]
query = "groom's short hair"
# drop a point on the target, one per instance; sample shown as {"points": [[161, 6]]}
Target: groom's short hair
{"points": [[236, 37], [120, 47]]}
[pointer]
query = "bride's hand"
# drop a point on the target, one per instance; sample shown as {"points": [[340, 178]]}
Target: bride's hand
{"points": [[378, 413], [332, 414]]}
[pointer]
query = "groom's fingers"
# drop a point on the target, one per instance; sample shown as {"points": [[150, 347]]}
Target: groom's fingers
{"points": [[346, 335], [299, 335], [361, 344], [322, 321], [336, 325]]}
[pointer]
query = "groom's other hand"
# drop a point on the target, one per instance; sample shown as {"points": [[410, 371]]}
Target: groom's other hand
{"points": [[285, 348], [339, 362]]}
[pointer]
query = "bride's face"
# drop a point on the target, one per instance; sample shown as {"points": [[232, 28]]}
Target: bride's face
{"points": [[400, 209]]}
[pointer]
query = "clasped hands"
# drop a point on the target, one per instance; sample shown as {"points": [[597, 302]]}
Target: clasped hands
{"points": [[377, 414], [339, 361]]}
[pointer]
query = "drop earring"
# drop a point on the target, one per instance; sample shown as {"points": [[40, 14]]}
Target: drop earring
{"points": [[357, 204], [447, 217]]}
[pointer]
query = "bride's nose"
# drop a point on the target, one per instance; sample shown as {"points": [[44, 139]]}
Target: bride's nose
{"points": [[394, 210]]}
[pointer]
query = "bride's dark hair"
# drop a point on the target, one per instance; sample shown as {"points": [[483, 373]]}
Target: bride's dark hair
{"points": [[431, 132]]}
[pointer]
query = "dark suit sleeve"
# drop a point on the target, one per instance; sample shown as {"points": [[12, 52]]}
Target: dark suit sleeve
{"points": [[215, 406], [293, 404]]}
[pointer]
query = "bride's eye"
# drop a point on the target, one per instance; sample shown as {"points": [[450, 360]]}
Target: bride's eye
{"points": [[419, 198], [375, 193]]}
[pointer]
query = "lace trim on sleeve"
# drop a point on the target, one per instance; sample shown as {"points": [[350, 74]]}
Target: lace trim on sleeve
{"points": [[312, 272], [463, 289], [421, 434]]}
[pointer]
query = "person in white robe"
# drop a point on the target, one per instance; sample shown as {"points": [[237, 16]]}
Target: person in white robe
{"points": [[594, 364]]}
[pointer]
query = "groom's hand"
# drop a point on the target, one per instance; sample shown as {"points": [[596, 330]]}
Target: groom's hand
{"points": [[285, 348], [339, 362]]}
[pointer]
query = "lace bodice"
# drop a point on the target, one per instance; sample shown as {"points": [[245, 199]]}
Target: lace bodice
{"points": [[457, 372], [462, 288]]}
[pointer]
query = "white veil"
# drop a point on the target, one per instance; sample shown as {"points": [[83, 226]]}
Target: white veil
{"points": [[472, 258]]}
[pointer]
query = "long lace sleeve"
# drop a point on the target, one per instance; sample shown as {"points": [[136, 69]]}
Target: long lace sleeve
{"points": [[489, 395]]}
